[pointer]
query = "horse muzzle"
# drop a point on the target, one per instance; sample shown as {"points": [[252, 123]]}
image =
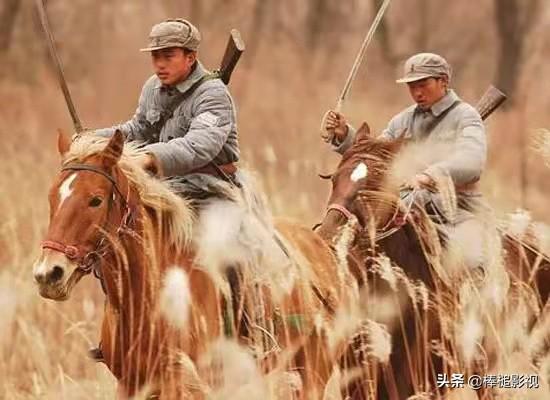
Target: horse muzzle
{"points": [[55, 275]]}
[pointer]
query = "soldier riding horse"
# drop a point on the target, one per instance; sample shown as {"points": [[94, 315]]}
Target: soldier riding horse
{"points": [[109, 217]]}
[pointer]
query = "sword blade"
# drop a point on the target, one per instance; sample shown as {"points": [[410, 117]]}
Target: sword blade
{"points": [[58, 66], [361, 54]]}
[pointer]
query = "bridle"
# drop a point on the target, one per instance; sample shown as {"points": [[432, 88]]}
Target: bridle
{"points": [[394, 224], [88, 261]]}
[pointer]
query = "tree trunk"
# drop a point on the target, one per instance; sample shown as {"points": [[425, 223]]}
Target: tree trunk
{"points": [[315, 23], [256, 30], [383, 36], [423, 26], [8, 14], [513, 22], [196, 12]]}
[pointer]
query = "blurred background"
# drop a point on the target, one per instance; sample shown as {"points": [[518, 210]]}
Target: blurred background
{"points": [[297, 59]]}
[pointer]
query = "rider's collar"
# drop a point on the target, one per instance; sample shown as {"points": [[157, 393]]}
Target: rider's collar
{"points": [[444, 103]]}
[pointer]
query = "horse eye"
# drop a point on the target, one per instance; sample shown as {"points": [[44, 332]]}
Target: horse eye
{"points": [[95, 201], [326, 176]]}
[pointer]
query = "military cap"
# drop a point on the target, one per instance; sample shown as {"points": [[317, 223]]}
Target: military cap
{"points": [[173, 33], [425, 65]]}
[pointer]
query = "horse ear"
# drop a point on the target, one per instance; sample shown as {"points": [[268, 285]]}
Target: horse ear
{"points": [[63, 142], [363, 132], [113, 151]]}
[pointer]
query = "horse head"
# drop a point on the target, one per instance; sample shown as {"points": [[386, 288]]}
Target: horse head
{"points": [[360, 183], [88, 202]]}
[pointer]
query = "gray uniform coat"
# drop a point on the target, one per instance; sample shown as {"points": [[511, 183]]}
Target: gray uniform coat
{"points": [[460, 126], [203, 127]]}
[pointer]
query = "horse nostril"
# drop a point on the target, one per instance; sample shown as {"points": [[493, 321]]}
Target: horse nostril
{"points": [[39, 278], [55, 274]]}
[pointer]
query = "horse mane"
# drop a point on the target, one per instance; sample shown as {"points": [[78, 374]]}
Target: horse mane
{"points": [[376, 153], [381, 148], [155, 194]]}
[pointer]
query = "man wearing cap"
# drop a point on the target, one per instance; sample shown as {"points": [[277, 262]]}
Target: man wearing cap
{"points": [[438, 115], [185, 114], [186, 118]]}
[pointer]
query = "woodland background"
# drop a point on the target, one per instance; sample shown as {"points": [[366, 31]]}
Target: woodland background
{"points": [[297, 58]]}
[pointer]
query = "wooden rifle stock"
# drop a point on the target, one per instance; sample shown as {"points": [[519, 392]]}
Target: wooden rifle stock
{"points": [[490, 101], [233, 51]]}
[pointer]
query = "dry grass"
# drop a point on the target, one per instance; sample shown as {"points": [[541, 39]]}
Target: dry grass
{"points": [[43, 344]]}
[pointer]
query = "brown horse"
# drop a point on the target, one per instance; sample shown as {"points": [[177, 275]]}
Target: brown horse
{"points": [[364, 194], [109, 217], [387, 236]]}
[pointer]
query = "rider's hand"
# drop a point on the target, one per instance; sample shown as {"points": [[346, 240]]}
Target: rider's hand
{"points": [[84, 131], [149, 163], [421, 181], [336, 123]]}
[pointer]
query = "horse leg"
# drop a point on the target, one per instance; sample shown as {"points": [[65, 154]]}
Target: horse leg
{"points": [[406, 370], [314, 364], [354, 365], [396, 377], [181, 381], [238, 301]]}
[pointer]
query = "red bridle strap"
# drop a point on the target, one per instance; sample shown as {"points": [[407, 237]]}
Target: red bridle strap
{"points": [[72, 252], [347, 213], [75, 253]]}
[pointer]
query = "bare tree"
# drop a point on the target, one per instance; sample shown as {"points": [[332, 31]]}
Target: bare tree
{"points": [[261, 9], [383, 34], [196, 13], [317, 13], [514, 18], [9, 10], [178, 8], [422, 38]]}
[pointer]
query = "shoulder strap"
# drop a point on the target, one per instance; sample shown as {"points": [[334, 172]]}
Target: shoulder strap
{"points": [[441, 117], [168, 112]]}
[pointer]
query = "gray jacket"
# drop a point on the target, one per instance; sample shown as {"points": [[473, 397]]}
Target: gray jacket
{"points": [[462, 126], [203, 127]]}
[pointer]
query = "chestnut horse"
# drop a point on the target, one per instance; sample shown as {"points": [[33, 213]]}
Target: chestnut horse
{"points": [[359, 196], [110, 217], [365, 196]]}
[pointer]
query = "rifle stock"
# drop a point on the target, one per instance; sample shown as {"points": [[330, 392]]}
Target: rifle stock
{"points": [[490, 101], [235, 47]]}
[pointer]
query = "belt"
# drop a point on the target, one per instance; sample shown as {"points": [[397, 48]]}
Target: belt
{"points": [[225, 172], [213, 169]]}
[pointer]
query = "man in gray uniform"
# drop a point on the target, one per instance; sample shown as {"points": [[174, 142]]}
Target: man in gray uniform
{"points": [[185, 114], [186, 119], [439, 115]]}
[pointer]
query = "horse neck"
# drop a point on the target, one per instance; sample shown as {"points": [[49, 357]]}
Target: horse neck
{"points": [[132, 275], [379, 205], [130, 330], [414, 250], [406, 246]]}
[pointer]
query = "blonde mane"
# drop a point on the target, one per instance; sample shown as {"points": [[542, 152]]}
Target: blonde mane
{"points": [[155, 194]]}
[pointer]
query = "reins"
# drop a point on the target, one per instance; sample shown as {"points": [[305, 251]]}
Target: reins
{"points": [[395, 223]]}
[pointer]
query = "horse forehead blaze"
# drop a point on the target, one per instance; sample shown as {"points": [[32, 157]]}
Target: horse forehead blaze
{"points": [[359, 172], [66, 188]]}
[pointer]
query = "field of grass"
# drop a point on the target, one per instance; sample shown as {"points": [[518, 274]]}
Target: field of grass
{"points": [[43, 344]]}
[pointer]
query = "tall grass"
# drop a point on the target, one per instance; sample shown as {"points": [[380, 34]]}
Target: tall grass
{"points": [[43, 344]]}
